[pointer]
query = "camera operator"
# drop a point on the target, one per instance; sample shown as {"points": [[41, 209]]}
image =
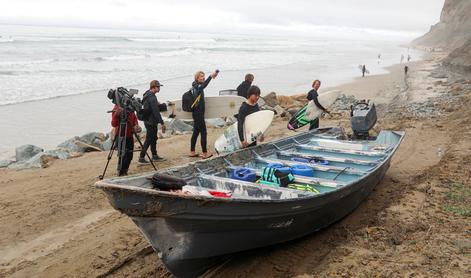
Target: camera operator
{"points": [[152, 108], [126, 135]]}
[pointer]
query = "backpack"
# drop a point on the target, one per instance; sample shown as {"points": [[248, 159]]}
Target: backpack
{"points": [[189, 101], [144, 113], [167, 182]]}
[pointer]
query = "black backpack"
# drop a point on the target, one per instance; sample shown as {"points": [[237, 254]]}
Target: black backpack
{"points": [[167, 182], [144, 113], [189, 101]]}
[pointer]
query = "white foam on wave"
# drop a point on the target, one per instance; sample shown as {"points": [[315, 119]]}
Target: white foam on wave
{"points": [[177, 40], [4, 40], [180, 52], [25, 63], [121, 57]]}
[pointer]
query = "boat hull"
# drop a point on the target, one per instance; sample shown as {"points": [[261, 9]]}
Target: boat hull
{"points": [[191, 235]]}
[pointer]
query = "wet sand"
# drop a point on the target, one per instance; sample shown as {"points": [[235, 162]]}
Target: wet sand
{"points": [[55, 223]]}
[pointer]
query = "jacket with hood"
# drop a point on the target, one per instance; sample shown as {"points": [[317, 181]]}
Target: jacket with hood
{"points": [[153, 107]]}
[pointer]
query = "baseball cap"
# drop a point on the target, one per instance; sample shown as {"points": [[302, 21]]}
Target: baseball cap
{"points": [[155, 83]]}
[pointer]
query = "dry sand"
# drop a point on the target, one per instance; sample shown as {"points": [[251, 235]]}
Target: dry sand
{"points": [[415, 224]]}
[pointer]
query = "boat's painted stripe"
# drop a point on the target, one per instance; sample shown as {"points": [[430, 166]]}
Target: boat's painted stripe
{"points": [[313, 166], [328, 158], [301, 179], [224, 179], [363, 153]]}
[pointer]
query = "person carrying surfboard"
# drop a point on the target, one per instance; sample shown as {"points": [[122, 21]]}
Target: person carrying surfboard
{"points": [[248, 107], [198, 109], [312, 95]]}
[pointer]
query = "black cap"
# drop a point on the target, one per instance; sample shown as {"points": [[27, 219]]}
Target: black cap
{"points": [[155, 83]]}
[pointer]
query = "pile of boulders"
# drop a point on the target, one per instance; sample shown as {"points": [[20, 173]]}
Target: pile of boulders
{"points": [[30, 156], [287, 106], [451, 96], [283, 106], [343, 103]]}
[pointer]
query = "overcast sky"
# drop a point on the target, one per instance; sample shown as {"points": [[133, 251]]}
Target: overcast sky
{"points": [[241, 16]]}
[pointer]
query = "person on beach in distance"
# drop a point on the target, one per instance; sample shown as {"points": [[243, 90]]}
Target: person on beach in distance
{"points": [[199, 125], [243, 88], [132, 126], [248, 107], [406, 70], [363, 70], [152, 106], [312, 95]]}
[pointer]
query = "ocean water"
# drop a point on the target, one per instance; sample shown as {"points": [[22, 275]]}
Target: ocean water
{"points": [[54, 80]]}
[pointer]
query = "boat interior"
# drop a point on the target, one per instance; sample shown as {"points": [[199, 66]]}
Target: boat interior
{"points": [[319, 162]]}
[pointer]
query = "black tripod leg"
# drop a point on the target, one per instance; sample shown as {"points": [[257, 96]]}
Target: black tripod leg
{"points": [[110, 155], [142, 147]]}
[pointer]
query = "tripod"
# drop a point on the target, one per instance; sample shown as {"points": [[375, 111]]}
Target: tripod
{"points": [[120, 143]]}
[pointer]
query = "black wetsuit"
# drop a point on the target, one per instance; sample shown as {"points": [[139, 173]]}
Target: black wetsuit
{"points": [[245, 110], [312, 95], [198, 116], [243, 88], [151, 104]]}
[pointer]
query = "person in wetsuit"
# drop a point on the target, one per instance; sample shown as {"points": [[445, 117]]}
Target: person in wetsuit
{"points": [[312, 95], [248, 107], [243, 88], [199, 126]]}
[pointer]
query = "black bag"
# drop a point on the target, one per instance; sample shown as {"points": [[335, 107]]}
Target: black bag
{"points": [[144, 113], [187, 101], [162, 107], [167, 182]]}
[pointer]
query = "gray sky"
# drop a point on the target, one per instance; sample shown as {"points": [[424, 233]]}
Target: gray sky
{"points": [[241, 16]]}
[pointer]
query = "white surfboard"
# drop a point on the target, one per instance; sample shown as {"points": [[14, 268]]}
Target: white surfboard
{"points": [[216, 107], [325, 99], [255, 125]]}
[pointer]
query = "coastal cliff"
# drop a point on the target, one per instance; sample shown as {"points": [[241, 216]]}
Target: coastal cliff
{"points": [[453, 29], [460, 57], [452, 34]]}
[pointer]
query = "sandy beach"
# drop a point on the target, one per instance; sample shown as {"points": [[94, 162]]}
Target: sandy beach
{"points": [[415, 224]]}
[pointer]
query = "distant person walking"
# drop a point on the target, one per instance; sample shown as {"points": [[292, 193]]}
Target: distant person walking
{"points": [[243, 88], [406, 70], [248, 107], [151, 121], [312, 95], [363, 70], [199, 126]]}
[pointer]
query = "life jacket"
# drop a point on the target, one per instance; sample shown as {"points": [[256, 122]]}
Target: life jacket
{"points": [[274, 175]]}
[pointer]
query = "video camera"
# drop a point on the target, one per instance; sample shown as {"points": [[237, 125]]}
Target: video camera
{"points": [[125, 98]]}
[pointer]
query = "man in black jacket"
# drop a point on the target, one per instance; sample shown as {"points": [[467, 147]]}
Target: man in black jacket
{"points": [[243, 88], [152, 110]]}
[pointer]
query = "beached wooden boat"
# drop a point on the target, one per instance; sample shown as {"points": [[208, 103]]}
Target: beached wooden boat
{"points": [[192, 232]]}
